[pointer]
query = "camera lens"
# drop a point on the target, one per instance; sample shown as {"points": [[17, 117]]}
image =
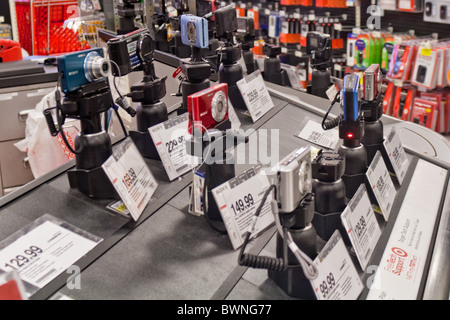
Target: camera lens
{"points": [[219, 106], [96, 67], [191, 32]]}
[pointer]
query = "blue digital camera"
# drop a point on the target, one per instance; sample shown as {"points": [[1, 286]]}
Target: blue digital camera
{"points": [[194, 31], [350, 97], [81, 68]]}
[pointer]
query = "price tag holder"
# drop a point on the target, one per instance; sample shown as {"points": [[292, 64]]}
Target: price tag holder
{"points": [[361, 224], [238, 200], [255, 94], [130, 176], [338, 278], [196, 199], [397, 155], [169, 139], [381, 184], [314, 133], [43, 250]]}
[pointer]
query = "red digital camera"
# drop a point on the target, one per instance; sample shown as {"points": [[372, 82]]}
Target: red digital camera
{"points": [[208, 108]]}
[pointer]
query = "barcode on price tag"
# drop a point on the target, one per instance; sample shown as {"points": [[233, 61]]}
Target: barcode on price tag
{"points": [[397, 155], [130, 176], [255, 94], [314, 133], [238, 200], [169, 139], [381, 184], [361, 224], [338, 278]]}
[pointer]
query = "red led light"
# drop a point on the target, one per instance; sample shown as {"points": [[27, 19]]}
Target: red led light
{"points": [[350, 135]]}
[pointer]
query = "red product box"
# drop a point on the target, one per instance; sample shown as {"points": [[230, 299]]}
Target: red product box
{"points": [[388, 99], [403, 102], [424, 113]]}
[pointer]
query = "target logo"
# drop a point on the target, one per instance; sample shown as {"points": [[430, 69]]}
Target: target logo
{"points": [[399, 252]]}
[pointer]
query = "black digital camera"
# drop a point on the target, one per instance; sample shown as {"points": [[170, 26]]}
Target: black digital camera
{"points": [[226, 21], [129, 51], [318, 46]]}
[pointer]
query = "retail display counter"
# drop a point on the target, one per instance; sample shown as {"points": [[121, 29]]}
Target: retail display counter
{"points": [[171, 254]]}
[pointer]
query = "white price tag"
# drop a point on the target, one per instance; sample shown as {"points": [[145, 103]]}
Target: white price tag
{"points": [[170, 142], [381, 184], [333, 90], [238, 200], [255, 94], [338, 278], [361, 224], [397, 155], [314, 133], [130, 176], [234, 119], [44, 252]]}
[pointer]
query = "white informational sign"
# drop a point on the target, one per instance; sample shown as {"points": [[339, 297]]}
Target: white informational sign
{"points": [[338, 278], [397, 155], [45, 251], [131, 177], [169, 139], [238, 200], [381, 184], [314, 133], [400, 272], [361, 224], [255, 94]]}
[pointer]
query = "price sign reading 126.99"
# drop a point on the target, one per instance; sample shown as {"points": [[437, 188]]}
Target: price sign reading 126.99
{"points": [[130, 176]]}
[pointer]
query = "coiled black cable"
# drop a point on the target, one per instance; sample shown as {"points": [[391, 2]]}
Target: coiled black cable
{"points": [[262, 262], [333, 123]]}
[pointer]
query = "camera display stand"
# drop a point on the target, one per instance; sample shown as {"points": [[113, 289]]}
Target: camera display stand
{"points": [[150, 111], [293, 280], [272, 67], [230, 72], [197, 72], [217, 172], [329, 190], [355, 167], [127, 14], [373, 127], [320, 82], [93, 143]]}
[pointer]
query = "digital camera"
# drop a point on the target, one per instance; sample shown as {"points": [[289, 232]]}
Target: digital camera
{"points": [[209, 107], [226, 20], [245, 25], [318, 45], [194, 31], [81, 68], [292, 176], [372, 82], [129, 51], [350, 95]]}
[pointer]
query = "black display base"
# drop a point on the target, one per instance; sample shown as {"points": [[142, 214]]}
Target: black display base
{"points": [[293, 282], [326, 225], [352, 183], [145, 145], [372, 151], [93, 183]]}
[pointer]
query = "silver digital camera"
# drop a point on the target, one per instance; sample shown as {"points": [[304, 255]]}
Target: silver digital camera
{"points": [[292, 176]]}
